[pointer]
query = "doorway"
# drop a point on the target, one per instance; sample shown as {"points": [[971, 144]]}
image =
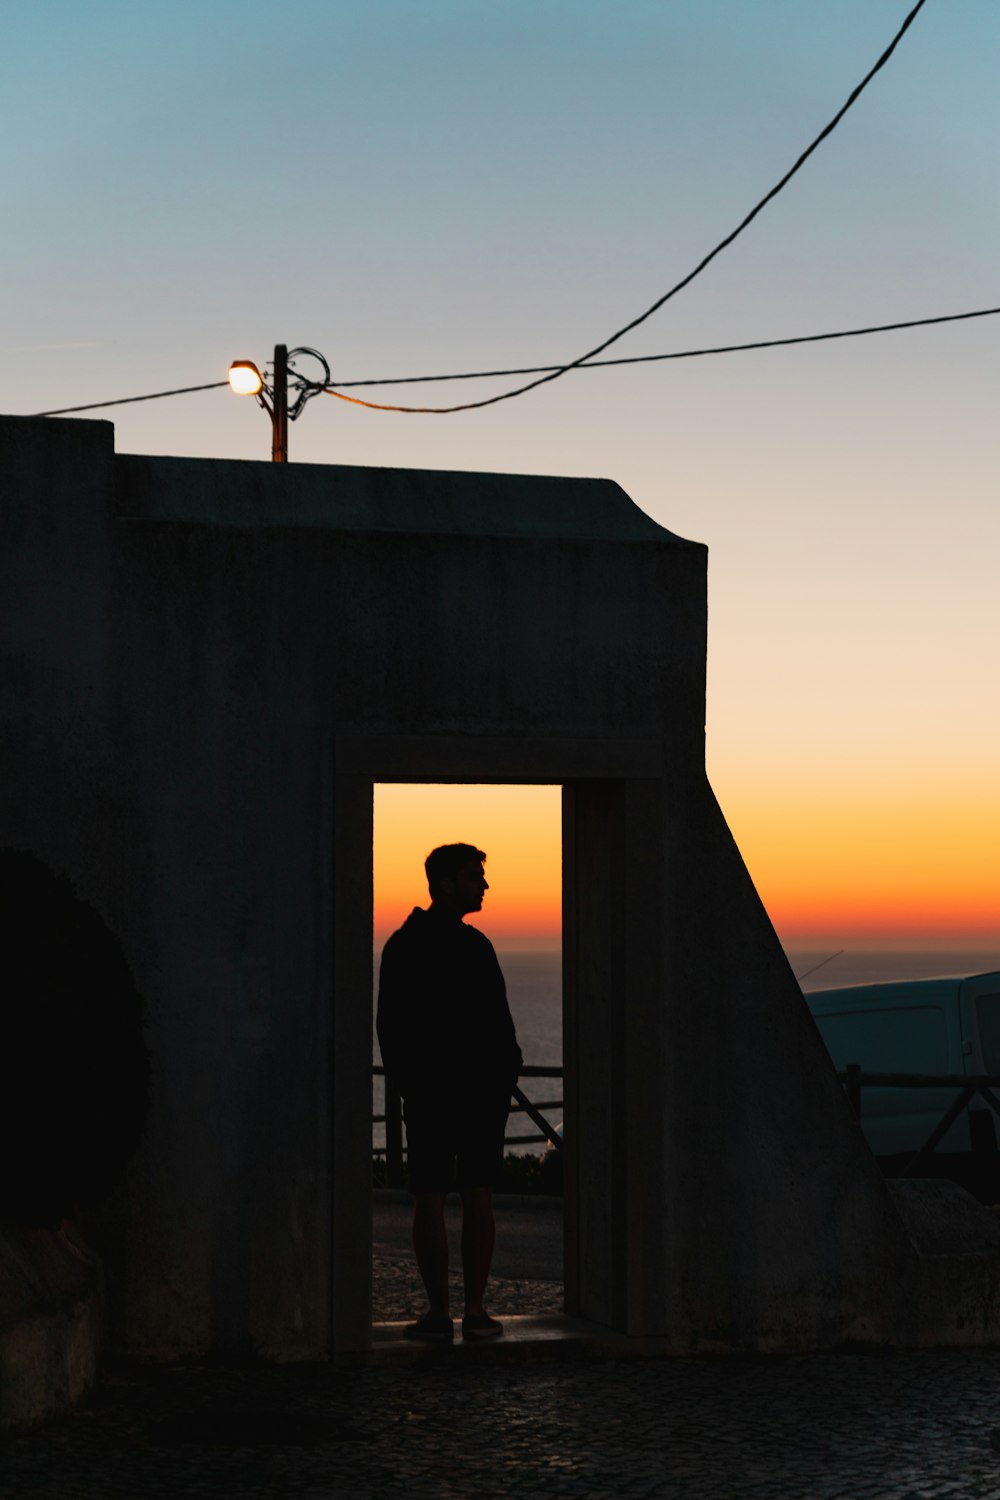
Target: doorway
{"points": [[520, 828], [613, 796]]}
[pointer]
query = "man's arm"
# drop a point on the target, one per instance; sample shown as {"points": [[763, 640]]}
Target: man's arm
{"points": [[393, 1016]]}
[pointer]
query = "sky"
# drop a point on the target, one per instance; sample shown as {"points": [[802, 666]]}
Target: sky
{"points": [[518, 829], [427, 186]]}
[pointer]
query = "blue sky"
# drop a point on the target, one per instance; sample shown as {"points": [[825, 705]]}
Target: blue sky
{"points": [[417, 187]]}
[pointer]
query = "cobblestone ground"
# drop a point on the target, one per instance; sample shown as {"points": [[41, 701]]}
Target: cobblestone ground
{"points": [[822, 1427], [397, 1292]]}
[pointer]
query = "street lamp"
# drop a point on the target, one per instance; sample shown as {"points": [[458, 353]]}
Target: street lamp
{"points": [[246, 380]]}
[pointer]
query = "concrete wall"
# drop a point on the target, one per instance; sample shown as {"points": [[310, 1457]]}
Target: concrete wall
{"points": [[209, 665]]}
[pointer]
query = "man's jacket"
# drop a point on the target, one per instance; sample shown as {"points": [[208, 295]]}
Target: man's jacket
{"points": [[443, 1018]]}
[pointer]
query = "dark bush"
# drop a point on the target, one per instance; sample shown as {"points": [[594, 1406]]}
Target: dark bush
{"points": [[74, 1068]]}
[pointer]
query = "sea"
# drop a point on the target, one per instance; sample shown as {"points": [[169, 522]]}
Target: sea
{"points": [[534, 989]]}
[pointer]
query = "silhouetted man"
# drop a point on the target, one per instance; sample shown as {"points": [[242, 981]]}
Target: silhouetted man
{"points": [[449, 1047]]}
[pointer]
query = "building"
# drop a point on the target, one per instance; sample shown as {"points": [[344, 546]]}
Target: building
{"points": [[209, 664]]}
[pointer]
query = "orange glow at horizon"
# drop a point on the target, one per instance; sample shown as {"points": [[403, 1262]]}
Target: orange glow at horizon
{"points": [[519, 827], [897, 871], [892, 872]]}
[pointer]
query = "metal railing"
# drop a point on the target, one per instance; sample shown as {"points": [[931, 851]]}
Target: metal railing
{"points": [[393, 1120], [968, 1085]]}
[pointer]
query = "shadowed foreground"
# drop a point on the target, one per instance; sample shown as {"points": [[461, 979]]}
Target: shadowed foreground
{"points": [[816, 1427]]}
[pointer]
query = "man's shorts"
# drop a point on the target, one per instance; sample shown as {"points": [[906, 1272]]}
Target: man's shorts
{"points": [[453, 1142]]}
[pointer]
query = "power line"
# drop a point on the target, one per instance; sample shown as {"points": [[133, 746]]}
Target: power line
{"points": [[686, 280], [597, 364], [646, 359], [548, 373], [184, 390]]}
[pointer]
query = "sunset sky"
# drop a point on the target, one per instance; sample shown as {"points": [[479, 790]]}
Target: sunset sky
{"points": [[427, 186], [518, 828]]}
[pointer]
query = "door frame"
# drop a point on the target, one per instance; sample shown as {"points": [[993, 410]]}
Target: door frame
{"points": [[609, 791]]}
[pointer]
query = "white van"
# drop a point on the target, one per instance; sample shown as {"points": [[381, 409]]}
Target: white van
{"points": [[949, 1025]]}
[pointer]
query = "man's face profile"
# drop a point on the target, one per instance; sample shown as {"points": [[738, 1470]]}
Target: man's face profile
{"points": [[465, 892]]}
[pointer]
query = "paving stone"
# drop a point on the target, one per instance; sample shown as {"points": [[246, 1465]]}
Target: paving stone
{"points": [[397, 1293], [917, 1426]]}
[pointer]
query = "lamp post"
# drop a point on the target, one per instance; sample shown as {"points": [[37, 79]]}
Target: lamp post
{"points": [[245, 379]]}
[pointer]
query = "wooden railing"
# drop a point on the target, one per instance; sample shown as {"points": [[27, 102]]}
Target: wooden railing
{"points": [[967, 1084], [393, 1120], [853, 1078]]}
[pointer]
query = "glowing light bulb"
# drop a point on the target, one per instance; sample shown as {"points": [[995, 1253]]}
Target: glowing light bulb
{"points": [[245, 378]]}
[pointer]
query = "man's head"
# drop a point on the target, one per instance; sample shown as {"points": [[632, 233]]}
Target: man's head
{"points": [[455, 878]]}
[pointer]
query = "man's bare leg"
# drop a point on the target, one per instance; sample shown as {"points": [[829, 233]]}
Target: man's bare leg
{"points": [[430, 1245], [478, 1239]]}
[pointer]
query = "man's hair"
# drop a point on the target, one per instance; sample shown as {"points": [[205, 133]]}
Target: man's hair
{"points": [[444, 863]]}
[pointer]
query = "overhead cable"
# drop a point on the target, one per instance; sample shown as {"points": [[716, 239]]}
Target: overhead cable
{"points": [[549, 373], [646, 359], [686, 280], [184, 390], [597, 364]]}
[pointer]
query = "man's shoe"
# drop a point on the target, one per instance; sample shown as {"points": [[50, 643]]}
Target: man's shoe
{"points": [[432, 1328], [479, 1326]]}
